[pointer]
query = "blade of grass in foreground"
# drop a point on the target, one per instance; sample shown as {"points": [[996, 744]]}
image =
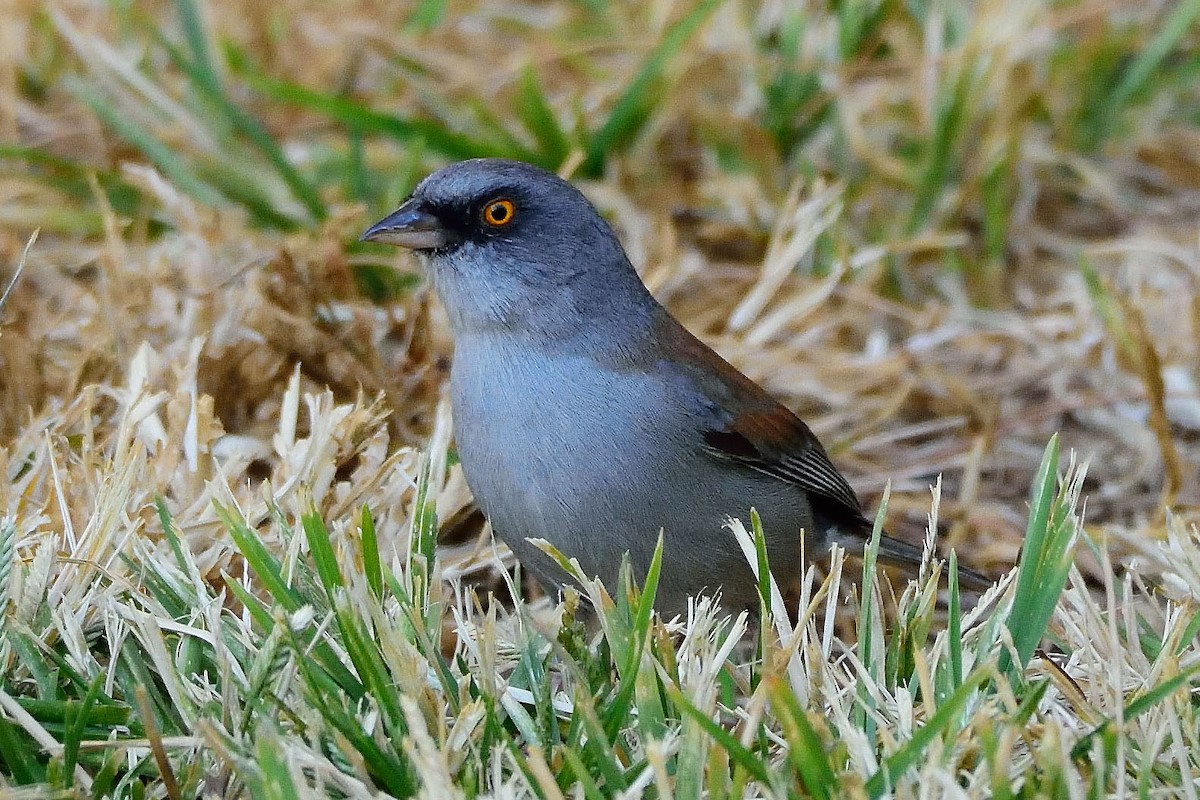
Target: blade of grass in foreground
{"points": [[867, 619], [260, 559], [631, 643], [579, 772], [1140, 705], [321, 549], [74, 722], [1045, 559], [806, 749], [764, 595], [267, 569], [916, 748], [370, 547], [954, 625], [358, 641], [270, 776], [753, 765], [17, 750]]}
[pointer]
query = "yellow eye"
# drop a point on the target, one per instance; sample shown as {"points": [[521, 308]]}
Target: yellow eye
{"points": [[499, 213]]}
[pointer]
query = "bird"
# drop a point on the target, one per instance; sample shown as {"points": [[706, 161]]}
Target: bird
{"points": [[586, 415]]}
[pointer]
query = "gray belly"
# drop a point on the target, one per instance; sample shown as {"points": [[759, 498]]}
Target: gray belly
{"points": [[555, 448]]}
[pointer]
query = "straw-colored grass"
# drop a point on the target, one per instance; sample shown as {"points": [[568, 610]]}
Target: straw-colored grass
{"points": [[942, 232]]}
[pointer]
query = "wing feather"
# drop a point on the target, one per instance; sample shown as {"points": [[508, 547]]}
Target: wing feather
{"points": [[761, 434], [777, 443]]}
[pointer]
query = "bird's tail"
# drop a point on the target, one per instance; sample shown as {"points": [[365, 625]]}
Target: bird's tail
{"points": [[902, 554]]}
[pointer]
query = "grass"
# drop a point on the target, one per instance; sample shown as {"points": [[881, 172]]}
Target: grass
{"points": [[319, 669], [947, 233]]}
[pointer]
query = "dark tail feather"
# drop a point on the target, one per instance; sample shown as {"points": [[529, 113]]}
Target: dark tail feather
{"points": [[902, 554]]}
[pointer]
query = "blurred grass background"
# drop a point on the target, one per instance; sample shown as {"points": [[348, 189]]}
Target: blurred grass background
{"points": [[941, 231], [925, 165]]}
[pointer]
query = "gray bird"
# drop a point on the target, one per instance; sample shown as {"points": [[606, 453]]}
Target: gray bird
{"points": [[586, 415]]}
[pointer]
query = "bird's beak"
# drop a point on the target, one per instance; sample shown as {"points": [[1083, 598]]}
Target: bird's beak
{"points": [[412, 226]]}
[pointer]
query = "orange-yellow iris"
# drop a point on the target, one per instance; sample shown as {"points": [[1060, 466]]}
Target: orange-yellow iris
{"points": [[499, 213]]}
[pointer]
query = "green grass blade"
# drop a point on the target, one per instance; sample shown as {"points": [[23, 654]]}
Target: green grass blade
{"points": [[631, 109], [1139, 705], [261, 560], [195, 35], [937, 166], [73, 179], [857, 23], [535, 113], [317, 536], [234, 176], [916, 748], [580, 772], [435, 136], [369, 665], [171, 533], [167, 162], [201, 69], [490, 128], [16, 750], [750, 762], [1029, 704], [866, 618], [651, 716], [1148, 62], [256, 134], [75, 721], [370, 545], [806, 750], [598, 750], [426, 16], [629, 641], [954, 625], [254, 606], [274, 779], [45, 666], [267, 569], [358, 184], [1045, 562], [392, 770]]}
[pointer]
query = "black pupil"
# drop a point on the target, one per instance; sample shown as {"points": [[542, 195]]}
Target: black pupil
{"points": [[498, 213]]}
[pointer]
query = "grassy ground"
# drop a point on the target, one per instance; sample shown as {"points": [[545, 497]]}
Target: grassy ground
{"points": [[959, 238]]}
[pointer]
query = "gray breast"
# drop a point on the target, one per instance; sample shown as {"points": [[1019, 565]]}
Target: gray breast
{"points": [[555, 447]]}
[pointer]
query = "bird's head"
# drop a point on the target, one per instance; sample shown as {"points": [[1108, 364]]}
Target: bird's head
{"points": [[504, 240]]}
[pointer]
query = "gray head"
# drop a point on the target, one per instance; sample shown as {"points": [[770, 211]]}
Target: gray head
{"points": [[513, 245]]}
